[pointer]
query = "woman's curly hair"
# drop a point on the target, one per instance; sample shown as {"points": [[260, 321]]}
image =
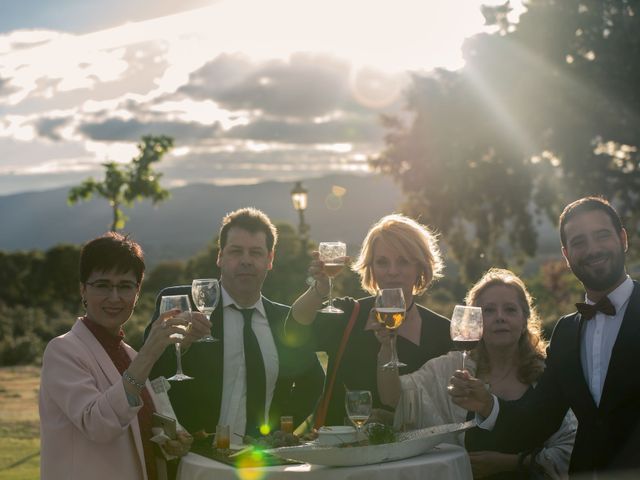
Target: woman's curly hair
{"points": [[531, 345]]}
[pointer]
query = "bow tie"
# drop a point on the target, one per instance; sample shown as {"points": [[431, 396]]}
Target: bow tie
{"points": [[604, 305]]}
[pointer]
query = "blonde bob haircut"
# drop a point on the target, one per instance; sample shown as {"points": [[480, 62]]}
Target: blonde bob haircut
{"points": [[412, 240]]}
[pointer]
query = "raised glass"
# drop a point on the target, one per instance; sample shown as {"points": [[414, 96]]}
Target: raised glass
{"points": [[181, 302], [334, 256], [205, 293], [390, 311], [466, 329]]}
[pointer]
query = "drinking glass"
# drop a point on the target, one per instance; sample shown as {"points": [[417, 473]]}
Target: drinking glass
{"points": [[223, 437], [333, 255], [466, 328], [390, 312], [181, 302], [357, 404], [286, 423], [205, 293]]}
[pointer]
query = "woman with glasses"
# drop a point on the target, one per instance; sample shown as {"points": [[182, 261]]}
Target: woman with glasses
{"points": [[96, 404]]}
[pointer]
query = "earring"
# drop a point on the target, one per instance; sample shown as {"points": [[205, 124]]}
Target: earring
{"points": [[84, 302]]}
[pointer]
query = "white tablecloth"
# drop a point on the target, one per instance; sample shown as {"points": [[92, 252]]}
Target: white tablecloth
{"points": [[444, 462]]}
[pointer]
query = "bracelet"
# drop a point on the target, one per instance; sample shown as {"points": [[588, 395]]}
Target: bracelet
{"points": [[132, 381]]}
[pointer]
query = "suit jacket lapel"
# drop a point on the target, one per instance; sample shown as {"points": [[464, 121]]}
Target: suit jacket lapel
{"points": [[269, 310], [623, 353], [575, 364], [217, 331]]}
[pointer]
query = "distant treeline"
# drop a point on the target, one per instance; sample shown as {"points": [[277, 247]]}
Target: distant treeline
{"points": [[40, 299]]}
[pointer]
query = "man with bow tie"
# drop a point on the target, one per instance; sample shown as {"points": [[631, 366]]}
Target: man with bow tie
{"points": [[254, 372], [591, 358]]}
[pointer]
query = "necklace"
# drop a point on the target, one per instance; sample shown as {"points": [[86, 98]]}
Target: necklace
{"points": [[491, 381]]}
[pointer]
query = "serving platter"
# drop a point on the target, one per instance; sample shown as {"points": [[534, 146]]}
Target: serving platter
{"points": [[409, 444]]}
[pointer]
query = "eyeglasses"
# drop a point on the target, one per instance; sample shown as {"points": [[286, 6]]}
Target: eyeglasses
{"points": [[124, 289]]}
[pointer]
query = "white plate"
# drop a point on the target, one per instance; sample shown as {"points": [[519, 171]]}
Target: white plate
{"points": [[409, 445]]}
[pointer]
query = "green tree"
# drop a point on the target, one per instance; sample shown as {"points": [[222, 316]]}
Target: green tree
{"points": [[125, 184], [544, 111]]}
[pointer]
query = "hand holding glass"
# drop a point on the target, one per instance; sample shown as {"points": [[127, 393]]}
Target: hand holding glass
{"points": [[390, 312], [205, 293], [357, 404], [180, 302], [333, 255], [466, 328]]}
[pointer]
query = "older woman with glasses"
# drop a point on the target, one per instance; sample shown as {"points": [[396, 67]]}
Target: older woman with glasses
{"points": [[96, 404]]}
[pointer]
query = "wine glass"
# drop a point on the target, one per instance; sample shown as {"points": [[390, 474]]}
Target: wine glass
{"points": [[466, 328], [390, 311], [205, 293], [333, 255], [181, 302], [357, 404]]}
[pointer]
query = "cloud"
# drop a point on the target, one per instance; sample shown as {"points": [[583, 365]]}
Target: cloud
{"points": [[306, 85], [116, 129], [5, 88], [48, 127], [245, 166], [362, 129]]}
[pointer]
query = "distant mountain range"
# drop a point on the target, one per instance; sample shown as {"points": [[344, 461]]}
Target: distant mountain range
{"points": [[341, 207], [184, 224]]}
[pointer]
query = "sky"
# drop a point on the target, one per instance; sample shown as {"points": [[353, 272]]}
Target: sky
{"points": [[250, 90]]}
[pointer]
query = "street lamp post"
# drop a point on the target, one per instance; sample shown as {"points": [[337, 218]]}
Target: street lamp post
{"points": [[299, 197]]}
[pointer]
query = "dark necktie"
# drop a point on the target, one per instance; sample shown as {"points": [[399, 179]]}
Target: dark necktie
{"points": [[604, 305], [256, 377]]}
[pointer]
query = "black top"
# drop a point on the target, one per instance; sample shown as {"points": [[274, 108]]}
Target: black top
{"points": [[357, 370], [477, 440]]}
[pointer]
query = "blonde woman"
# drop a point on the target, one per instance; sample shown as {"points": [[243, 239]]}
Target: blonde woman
{"points": [[397, 252]]}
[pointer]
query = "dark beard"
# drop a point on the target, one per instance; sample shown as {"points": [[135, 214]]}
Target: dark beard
{"points": [[600, 281]]}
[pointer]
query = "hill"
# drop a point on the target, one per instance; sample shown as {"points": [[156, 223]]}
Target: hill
{"points": [[185, 223]]}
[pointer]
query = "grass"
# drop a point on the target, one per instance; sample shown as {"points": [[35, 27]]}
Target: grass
{"points": [[19, 423]]}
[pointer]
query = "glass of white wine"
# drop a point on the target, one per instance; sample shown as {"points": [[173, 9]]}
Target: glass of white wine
{"points": [[334, 256], [466, 328], [357, 404], [181, 302], [205, 293], [390, 312]]}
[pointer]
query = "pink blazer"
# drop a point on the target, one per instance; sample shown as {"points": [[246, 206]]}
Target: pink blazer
{"points": [[88, 430]]}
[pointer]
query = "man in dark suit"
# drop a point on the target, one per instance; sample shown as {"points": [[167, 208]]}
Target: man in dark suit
{"points": [[590, 363], [254, 373]]}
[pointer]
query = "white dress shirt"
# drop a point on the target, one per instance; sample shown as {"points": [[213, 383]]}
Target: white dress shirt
{"points": [[234, 385], [596, 344], [598, 337]]}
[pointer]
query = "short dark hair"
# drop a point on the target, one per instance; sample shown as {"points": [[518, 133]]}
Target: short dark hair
{"points": [[249, 219], [588, 204], [111, 252]]}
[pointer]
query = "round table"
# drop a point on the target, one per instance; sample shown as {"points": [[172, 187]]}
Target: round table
{"points": [[444, 462]]}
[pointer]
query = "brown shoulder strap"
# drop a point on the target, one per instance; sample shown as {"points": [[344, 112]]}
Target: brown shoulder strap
{"points": [[321, 413]]}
